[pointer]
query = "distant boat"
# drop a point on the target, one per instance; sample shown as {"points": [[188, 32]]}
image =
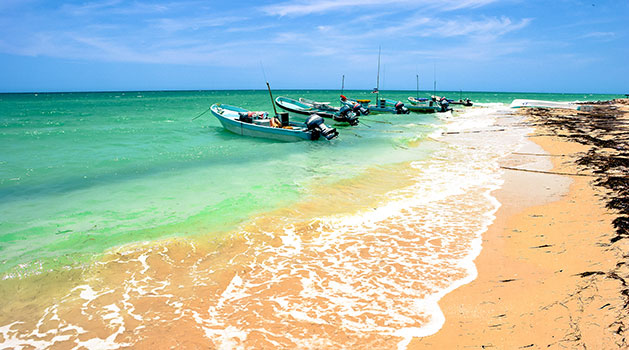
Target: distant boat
{"points": [[467, 102], [323, 106], [308, 107], [520, 103], [258, 124], [423, 105], [383, 105]]}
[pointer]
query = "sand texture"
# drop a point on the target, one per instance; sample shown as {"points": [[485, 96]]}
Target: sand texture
{"points": [[553, 270]]}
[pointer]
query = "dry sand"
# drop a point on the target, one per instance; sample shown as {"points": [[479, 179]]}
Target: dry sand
{"points": [[549, 275]]}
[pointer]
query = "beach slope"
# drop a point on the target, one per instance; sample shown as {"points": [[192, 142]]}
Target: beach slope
{"points": [[553, 270]]}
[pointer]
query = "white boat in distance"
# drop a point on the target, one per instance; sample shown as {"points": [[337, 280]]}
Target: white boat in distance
{"points": [[519, 103]]}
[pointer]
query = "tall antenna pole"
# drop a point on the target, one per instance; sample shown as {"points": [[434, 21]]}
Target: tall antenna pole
{"points": [[434, 87], [378, 79], [417, 75], [343, 84]]}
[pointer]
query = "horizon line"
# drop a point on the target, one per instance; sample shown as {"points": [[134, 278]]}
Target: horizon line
{"points": [[294, 89]]}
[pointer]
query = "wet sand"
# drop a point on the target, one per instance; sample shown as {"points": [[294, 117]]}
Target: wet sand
{"points": [[553, 271]]}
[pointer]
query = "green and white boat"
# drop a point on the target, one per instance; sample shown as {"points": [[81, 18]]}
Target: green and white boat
{"points": [[258, 124], [423, 105]]}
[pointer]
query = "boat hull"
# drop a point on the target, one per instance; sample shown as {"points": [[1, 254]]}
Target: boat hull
{"points": [[519, 103], [423, 109], [304, 108], [260, 131], [293, 106]]}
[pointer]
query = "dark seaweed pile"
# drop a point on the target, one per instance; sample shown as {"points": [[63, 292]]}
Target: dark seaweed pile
{"points": [[606, 129]]}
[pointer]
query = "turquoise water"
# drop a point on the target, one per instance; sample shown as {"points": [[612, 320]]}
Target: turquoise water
{"points": [[84, 172]]}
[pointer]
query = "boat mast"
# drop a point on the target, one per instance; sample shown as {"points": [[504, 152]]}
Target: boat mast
{"points": [[417, 75], [272, 101], [343, 84], [378, 79], [434, 86]]}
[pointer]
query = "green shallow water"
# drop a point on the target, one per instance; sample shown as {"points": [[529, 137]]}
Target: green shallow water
{"points": [[84, 172]]}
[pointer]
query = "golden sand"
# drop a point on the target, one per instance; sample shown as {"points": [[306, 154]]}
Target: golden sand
{"points": [[548, 275]]}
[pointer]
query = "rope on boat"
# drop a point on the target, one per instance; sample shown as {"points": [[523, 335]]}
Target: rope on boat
{"points": [[376, 121], [201, 114]]}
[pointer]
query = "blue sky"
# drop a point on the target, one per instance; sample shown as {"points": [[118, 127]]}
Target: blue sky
{"points": [[480, 45]]}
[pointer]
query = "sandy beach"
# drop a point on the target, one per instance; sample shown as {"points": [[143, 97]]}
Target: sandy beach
{"points": [[552, 272]]}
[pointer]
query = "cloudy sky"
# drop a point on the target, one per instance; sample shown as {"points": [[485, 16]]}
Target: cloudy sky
{"points": [[480, 45]]}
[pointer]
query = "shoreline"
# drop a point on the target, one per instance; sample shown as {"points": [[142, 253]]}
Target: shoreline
{"points": [[534, 287]]}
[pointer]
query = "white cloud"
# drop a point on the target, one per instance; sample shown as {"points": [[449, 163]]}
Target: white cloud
{"points": [[182, 24], [306, 7], [599, 35], [487, 27]]}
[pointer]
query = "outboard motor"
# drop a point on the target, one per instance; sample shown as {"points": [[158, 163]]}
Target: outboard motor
{"points": [[245, 117], [359, 109], [283, 118], [346, 114], [444, 105], [316, 125], [400, 109]]}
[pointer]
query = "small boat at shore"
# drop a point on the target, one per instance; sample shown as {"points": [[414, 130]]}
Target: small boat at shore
{"points": [[466, 102], [423, 105], [308, 107], [258, 124], [521, 103]]}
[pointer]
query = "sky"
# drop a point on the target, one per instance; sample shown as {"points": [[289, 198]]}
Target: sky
{"points": [[470, 45]]}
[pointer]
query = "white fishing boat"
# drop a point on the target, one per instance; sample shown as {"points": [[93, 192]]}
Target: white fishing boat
{"points": [[521, 103]]}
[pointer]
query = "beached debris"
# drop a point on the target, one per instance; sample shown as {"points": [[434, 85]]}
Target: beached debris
{"points": [[605, 127]]}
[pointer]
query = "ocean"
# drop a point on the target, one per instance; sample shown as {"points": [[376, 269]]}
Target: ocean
{"points": [[123, 217]]}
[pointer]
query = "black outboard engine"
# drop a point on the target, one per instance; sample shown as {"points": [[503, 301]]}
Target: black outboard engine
{"points": [[245, 117], [316, 125], [400, 109], [444, 105], [360, 110], [347, 115]]}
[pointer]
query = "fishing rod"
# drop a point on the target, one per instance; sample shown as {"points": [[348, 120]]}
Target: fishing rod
{"points": [[268, 87]]}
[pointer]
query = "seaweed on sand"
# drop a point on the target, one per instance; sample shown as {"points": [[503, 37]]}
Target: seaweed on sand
{"points": [[604, 127]]}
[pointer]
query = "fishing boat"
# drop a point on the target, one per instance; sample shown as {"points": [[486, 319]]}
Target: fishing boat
{"points": [[258, 124], [385, 105], [466, 102], [307, 107], [322, 106], [382, 105], [423, 105], [520, 103]]}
